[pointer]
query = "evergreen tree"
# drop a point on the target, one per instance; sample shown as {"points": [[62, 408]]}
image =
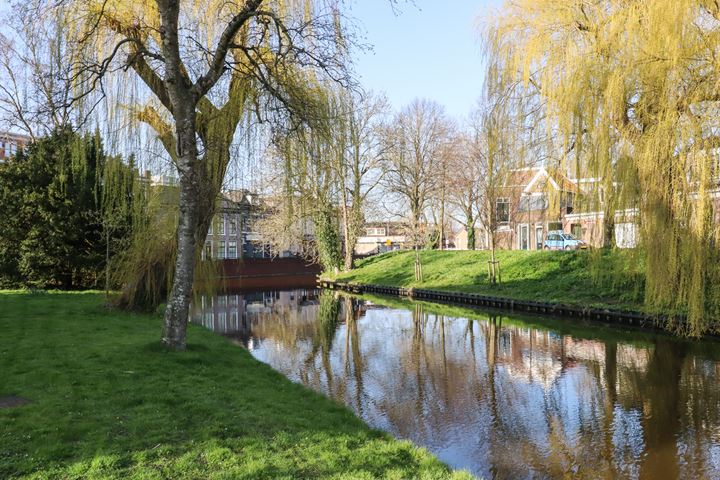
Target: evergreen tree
{"points": [[52, 224]]}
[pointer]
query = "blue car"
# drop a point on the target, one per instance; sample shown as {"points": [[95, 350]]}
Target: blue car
{"points": [[559, 240]]}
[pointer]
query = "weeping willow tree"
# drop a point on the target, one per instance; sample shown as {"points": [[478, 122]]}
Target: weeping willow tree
{"points": [[632, 87], [203, 70], [306, 215], [324, 172]]}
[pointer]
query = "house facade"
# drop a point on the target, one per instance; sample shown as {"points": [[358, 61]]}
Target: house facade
{"points": [[232, 233], [11, 143], [533, 201], [589, 227], [481, 239], [381, 237]]}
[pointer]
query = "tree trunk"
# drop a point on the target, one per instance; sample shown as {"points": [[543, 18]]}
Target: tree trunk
{"points": [[348, 261], [192, 194], [494, 267], [608, 228], [349, 244], [470, 228], [441, 241], [107, 262], [176, 312]]}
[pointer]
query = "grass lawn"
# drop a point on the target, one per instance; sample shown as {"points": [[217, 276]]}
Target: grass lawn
{"points": [[575, 278], [108, 402]]}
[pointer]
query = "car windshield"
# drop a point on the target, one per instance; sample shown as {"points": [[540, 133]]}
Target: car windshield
{"points": [[568, 236]]}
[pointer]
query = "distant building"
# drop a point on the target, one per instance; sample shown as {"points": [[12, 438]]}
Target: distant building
{"points": [[533, 202], [536, 200], [233, 233], [11, 143], [462, 240], [589, 227], [380, 237], [163, 180]]}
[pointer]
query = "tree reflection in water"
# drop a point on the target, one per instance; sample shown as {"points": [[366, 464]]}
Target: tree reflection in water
{"points": [[501, 396]]}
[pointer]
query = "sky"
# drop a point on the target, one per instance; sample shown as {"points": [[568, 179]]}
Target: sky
{"points": [[426, 49]]}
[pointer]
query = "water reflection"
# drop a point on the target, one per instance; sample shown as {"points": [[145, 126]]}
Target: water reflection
{"points": [[233, 314], [494, 394]]}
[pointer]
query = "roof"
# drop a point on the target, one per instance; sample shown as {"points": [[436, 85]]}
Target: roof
{"points": [[243, 197], [17, 137], [535, 180]]}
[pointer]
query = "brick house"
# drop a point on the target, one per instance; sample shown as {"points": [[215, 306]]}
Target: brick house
{"points": [[11, 143], [589, 227], [587, 221], [533, 201]]}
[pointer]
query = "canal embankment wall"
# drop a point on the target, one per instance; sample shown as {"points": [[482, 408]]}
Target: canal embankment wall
{"points": [[615, 316], [268, 273]]}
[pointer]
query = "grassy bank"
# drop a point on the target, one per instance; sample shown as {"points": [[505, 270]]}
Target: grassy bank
{"points": [[108, 402], [598, 279]]}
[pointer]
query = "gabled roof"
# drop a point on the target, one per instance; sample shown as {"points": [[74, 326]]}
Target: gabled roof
{"points": [[535, 180]]}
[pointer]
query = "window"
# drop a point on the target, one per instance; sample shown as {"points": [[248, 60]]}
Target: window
{"points": [[502, 210], [233, 227], [232, 250], [376, 232], [576, 230], [533, 203], [221, 249], [221, 226], [210, 229], [208, 250], [555, 226]]}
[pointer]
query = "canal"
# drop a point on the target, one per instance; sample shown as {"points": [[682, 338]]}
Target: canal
{"points": [[502, 396]]}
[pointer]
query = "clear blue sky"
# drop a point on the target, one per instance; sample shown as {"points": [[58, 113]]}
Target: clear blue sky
{"points": [[430, 48]]}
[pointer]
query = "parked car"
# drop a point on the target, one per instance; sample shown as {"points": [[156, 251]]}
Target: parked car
{"points": [[559, 240]]}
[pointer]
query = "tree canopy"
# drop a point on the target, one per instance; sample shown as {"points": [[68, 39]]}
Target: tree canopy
{"points": [[633, 88], [57, 221], [193, 72]]}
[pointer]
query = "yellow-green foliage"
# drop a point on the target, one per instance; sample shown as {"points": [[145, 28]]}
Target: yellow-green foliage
{"points": [[633, 86], [270, 67]]}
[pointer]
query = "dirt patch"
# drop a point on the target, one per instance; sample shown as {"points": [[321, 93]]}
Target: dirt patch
{"points": [[11, 401]]}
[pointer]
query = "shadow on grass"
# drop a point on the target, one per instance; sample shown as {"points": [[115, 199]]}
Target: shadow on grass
{"points": [[110, 401]]}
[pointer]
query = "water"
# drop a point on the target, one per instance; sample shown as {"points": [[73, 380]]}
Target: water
{"points": [[502, 396]]}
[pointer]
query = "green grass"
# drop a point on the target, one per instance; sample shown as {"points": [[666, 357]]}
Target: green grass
{"points": [[604, 279], [108, 402]]}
